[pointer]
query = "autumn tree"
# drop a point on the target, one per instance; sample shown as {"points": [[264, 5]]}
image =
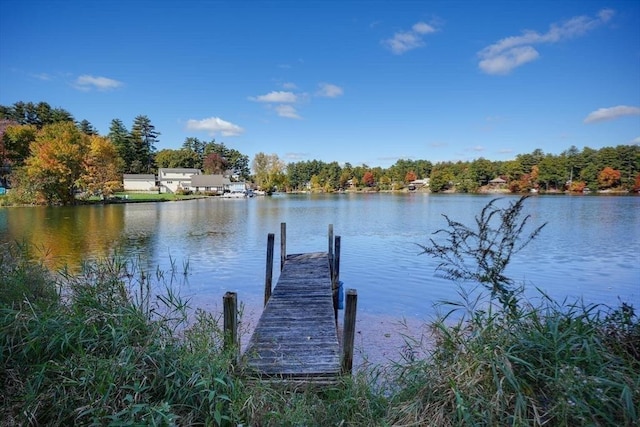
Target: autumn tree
{"points": [[636, 184], [268, 170], [368, 179], [56, 163], [101, 165], [214, 163], [608, 178], [410, 176]]}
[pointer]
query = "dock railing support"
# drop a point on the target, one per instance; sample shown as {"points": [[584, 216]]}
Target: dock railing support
{"points": [[335, 275], [330, 251], [268, 280], [283, 244], [349, 332], [230, 326]]}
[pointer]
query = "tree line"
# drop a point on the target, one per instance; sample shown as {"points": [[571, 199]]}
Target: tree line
{"points": [[48, 157], [574, 170]]}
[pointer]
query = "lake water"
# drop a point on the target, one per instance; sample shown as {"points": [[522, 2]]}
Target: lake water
{"points": [[590, 247]]}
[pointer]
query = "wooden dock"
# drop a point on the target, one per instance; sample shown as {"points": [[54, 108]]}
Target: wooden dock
{"points": [[296, 338]]}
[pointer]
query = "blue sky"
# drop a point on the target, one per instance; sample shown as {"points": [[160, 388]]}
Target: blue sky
{"points": [[349, 81]]}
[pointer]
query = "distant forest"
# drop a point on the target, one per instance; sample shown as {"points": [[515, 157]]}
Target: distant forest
{"points": [[48, 156]]}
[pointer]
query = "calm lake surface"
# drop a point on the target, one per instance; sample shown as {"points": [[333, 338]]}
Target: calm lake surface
{"points": [[589, 249]]}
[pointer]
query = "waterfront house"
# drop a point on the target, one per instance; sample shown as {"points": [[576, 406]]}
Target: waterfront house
{"points": [[139, 182], [172, 179], [216, 184]]}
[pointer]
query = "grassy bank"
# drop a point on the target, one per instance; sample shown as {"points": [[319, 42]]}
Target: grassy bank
{"points": [[106, 347]]}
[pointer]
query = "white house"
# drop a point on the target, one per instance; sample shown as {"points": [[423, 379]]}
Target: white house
{"points": [[216, 184], [139, 182], [171, 179]]}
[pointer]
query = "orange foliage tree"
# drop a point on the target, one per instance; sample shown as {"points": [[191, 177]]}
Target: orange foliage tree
{"points": [[410, 176], [368, 178], [609, 177]]}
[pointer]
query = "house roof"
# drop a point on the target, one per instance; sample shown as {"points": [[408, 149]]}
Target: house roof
{"points": [[209, 181], [190, 171], [497, 181], [138, 176]]}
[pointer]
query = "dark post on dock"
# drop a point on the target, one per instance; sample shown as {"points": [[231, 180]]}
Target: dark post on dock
{"points": [[296, 338]]}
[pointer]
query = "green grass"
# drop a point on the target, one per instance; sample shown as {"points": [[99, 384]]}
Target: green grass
{"points": [[107, 346]]}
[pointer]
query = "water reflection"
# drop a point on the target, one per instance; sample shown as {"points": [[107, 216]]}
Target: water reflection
{"points": [[588, 249]]}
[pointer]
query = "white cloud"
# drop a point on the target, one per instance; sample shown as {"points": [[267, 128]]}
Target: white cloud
{"points": [[214, 125], [404, 41], [604, 114], [512, 52], [329, 90], [276, 97], [635, 141], [287, 111], [87, 83], [41, 76], [289, 85]]}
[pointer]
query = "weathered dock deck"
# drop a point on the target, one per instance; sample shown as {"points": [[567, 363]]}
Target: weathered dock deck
{"points": [[296, 337]]}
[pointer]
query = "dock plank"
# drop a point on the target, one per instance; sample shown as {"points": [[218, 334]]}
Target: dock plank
{"points": [[296, 335]]}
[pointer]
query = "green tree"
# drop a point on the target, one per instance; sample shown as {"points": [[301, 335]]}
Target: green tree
{"points": [[181, 158], [17, 140], [441, 178], [38, 115], [144, 138], [121, 139], [87, 128]]}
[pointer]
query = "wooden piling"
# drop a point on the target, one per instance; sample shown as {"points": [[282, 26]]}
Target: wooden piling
{"points": [[269, 270], [283, 244], [349, 331], [230, 314], [335, 276], [330, 252]]}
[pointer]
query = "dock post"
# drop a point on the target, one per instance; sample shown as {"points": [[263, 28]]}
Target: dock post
{"points": [[283, 244], [335, 276], [230, 314], [349, 332], [269, 270], [330, 252]]}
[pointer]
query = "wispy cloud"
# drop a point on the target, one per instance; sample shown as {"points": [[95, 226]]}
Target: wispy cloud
{"points": [[41, 76], [294, 157], [328, 90], [87, 83], [287, 111], [284, 99], [214, 125], [276, 97], [404, 41], [612, 113], [512, 52]]}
